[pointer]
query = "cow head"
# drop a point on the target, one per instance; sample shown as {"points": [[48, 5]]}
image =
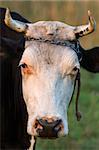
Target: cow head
{"points": [[49, 65]]}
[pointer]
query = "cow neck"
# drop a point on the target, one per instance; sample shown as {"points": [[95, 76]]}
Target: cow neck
{"points": [[72, 44]]}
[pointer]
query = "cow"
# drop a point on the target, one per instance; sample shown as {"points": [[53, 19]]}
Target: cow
{"points": [[50, 70]]}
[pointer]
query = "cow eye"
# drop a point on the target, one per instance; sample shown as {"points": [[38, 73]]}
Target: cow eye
{"points": [[75, 69], [72, 73], [23, 65], [26, 69]]}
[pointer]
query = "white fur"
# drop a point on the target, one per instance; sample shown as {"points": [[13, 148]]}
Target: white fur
{"points": [[47, 92], [43, 29], [32, 143]]}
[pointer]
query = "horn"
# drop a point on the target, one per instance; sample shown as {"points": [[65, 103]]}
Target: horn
{"points": [[86, 29], [14, 24]]}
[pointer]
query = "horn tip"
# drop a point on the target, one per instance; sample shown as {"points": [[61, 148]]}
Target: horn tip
{"points": [[92, 20], [7, 12], [7, 16], [7, 9], [89, 13]]}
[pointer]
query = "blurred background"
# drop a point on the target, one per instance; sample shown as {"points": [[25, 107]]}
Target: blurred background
{"points": [[83, 135]]}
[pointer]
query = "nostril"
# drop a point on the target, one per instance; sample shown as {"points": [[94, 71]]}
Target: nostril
{"points": [[42, 122], [37, 125], [57, 122], [58, 127]]}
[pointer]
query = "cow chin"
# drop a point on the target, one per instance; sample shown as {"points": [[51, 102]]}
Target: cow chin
{"points": [[47, 127]]}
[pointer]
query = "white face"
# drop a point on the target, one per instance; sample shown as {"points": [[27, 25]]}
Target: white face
{"points": [[48, 81]]}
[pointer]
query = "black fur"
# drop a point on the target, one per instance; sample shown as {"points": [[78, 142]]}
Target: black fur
{"points": [[90, 59], [13, 113]]}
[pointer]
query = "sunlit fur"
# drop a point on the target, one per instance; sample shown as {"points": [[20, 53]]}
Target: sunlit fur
{"points": [[48, 87], [50, 30]]}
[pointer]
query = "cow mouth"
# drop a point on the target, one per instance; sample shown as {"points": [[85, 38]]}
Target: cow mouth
{"points": [[48, 133], [50, 130]]}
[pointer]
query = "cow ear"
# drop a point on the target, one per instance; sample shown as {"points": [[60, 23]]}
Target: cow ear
{"points": [[90, 59]]}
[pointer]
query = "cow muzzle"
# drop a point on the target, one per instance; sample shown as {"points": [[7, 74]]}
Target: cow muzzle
{"points": [[48, 127]]}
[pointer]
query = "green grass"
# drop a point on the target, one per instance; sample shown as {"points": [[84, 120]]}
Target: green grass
{"points": [[83, 135]]}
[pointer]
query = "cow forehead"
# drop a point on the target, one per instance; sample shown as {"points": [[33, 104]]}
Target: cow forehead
{"points": [[59, 30], [44, 54]]}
